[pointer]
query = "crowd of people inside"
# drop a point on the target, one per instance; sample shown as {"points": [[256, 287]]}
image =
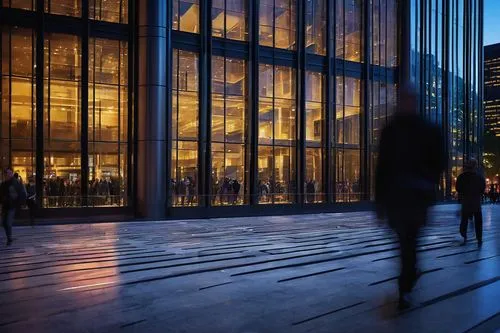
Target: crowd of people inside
{"points": [[183, 191], [62, 192], [281, 191], [226, 191]]}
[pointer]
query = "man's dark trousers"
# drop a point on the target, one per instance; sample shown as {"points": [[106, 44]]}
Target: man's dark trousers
{"points": [[7, 220], [478, 223]]}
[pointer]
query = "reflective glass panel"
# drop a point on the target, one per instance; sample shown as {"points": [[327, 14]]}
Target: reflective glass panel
{"points": [[21, 4], [316, 14], [185, 110], [229, 121], [347, 175], [64, 7], [108, 108], [17, 131], [315, 141], [186, 15], [277, 23], [277, 134], [229, 19], [109, 10], [62, 120]]}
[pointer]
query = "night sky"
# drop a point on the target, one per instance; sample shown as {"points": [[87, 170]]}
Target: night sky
{"points": [[491, 22]]}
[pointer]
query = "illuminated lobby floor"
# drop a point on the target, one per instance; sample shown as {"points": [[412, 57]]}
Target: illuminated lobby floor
{"points": [[309, 273]]}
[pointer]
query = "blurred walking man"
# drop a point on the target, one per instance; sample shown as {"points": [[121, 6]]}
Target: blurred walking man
{"points": [[470, 187], [411, 161], [11, 194]]}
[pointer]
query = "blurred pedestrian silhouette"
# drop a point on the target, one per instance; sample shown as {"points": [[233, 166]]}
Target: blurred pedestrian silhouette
{"points": [[470, 187], [11, 195], [411, 161]]}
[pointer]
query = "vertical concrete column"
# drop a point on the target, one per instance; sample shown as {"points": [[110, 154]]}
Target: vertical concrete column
{"points": [[152, 116]]}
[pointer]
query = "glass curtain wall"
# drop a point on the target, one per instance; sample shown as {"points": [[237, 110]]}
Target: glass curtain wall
{"points": [[115, 11], [62, 120], [316, 19], [277, 134], [18, 116], [348, 145], [315, 137], [108, 122], [62, 113], [185, 126], [277, 23], [229, 132], [20, 4], [349, 30], [64, 7], [229, 19], [186, 16]]}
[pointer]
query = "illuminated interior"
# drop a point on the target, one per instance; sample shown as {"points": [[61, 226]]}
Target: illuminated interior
{"points": [[316, 17], [229, 19], [229, 131], [277, 24], [277, 134], [186, 15], [184, 170], [315, 138], [115, 11], [64, 7]]}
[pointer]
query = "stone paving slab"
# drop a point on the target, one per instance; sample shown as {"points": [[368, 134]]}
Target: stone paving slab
{"points": [[304, 273]]}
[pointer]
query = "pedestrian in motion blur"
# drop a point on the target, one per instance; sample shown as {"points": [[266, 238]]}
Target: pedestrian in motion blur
{"points": [[11, 195], [470, 187], [411, 161]]}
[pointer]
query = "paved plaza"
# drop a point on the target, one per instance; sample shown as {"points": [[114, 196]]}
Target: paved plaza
{"points": [[309, 273]]}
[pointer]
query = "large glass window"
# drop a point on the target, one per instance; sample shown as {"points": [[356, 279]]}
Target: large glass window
{"points": [[229, 19], [277, 23], [229, 132], [185, 110], [379, 32], [348, 110], [349, 37], [348, 139], [392, 34], [109, 10], [21, 4], [64, 7], [277, 134], [315, 140], [62, 120], [347, 175], [108, 127], [17, 123], [186, 15], [316, 14]]}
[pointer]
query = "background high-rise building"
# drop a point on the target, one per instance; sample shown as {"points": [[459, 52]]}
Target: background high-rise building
{"points": [[492, 110], [190, 107]]}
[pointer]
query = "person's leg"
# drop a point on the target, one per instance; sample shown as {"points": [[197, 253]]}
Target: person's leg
{"points": [[463, 224], [478, 222], [8, 217], [5, 224], [408, 244]]}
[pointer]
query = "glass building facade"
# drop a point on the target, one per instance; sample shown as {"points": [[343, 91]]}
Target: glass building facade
{"points": [[226, 107]]}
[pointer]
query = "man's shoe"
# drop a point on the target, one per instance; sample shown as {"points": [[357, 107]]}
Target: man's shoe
{"points": [[9, 242], [479, 243], [464, 242], [404, 302]]}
